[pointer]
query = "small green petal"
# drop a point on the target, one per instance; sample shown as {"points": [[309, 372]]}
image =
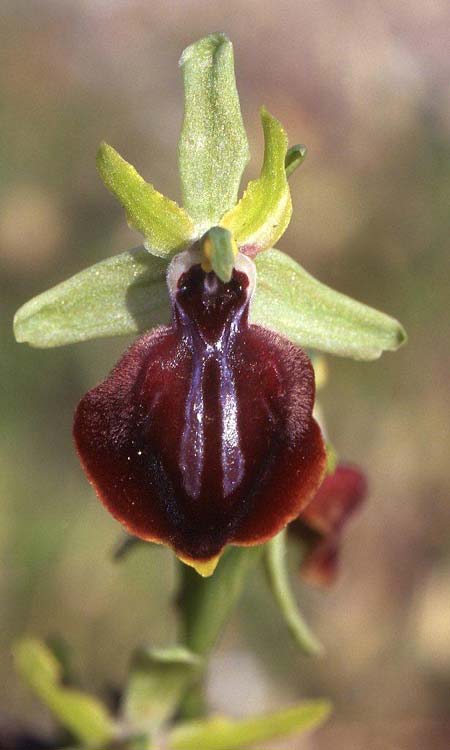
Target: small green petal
{"points": [[291, 302], [158, 679], [219, 733], [123, 294], [167, 228], [295, 156], [275, 560], [263, 213], [84, 716], [213, 148]]}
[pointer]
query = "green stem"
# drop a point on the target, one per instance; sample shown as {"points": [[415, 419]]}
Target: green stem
{"points": [[205, 605]]}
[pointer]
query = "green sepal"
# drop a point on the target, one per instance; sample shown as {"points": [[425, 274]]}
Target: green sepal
{"points": [[290, 301], [275, 563], [220, 250], [295, 156], [264, 211], [158, 678], [223, 734], [81, 714], [127, 294], [213, 148], [121, 295], [167, 228]]}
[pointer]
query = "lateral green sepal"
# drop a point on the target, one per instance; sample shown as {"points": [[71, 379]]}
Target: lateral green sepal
{"points": [[264, 211], [124, 294], [167, 228], [290, 301], [213, 148]]}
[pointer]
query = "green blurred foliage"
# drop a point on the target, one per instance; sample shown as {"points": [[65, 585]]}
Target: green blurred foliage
{"points": [[365, 87]]}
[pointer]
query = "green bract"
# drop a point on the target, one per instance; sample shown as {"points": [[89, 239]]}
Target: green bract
{"points": [[127, 293]]}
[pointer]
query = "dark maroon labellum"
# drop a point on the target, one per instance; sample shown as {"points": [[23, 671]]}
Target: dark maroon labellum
{"points": [[202, 435]]}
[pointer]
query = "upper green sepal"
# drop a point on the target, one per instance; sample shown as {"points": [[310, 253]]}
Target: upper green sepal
{"points": [[292, 302], [166, 227], [213, 148], [264, 211]]}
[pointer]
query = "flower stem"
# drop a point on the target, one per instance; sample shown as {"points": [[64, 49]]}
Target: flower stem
{"points": [[205, 605]]}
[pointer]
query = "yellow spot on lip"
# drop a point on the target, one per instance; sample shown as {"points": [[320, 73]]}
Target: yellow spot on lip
{"points": [[205, 568]]}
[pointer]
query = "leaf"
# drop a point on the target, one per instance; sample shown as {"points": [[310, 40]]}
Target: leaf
{"points": [[275, 553], [295, 156], [224, 734], [123, 294], [158, 679], [83, 716], [208, 602], [167, 228], [264, 211], [213, 148], [291, 302]]}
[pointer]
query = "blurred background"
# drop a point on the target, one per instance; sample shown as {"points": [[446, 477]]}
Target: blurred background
{"points": [[366, 86]]}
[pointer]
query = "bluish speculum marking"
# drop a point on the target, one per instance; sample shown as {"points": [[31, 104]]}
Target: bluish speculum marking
{"points": [[210, 314]]}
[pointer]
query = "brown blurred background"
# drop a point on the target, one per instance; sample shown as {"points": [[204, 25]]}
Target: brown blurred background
{"points": [[366, 86]]}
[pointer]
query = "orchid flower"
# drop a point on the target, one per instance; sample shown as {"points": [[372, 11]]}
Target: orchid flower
{"points": [[202, 436], [320, 526]]}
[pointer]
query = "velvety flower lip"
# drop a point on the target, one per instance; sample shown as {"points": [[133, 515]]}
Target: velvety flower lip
{"points": [[203, 435], [321, 523]]}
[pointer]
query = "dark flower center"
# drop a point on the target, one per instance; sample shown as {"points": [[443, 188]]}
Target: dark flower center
{"points": [[209, 305]]}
